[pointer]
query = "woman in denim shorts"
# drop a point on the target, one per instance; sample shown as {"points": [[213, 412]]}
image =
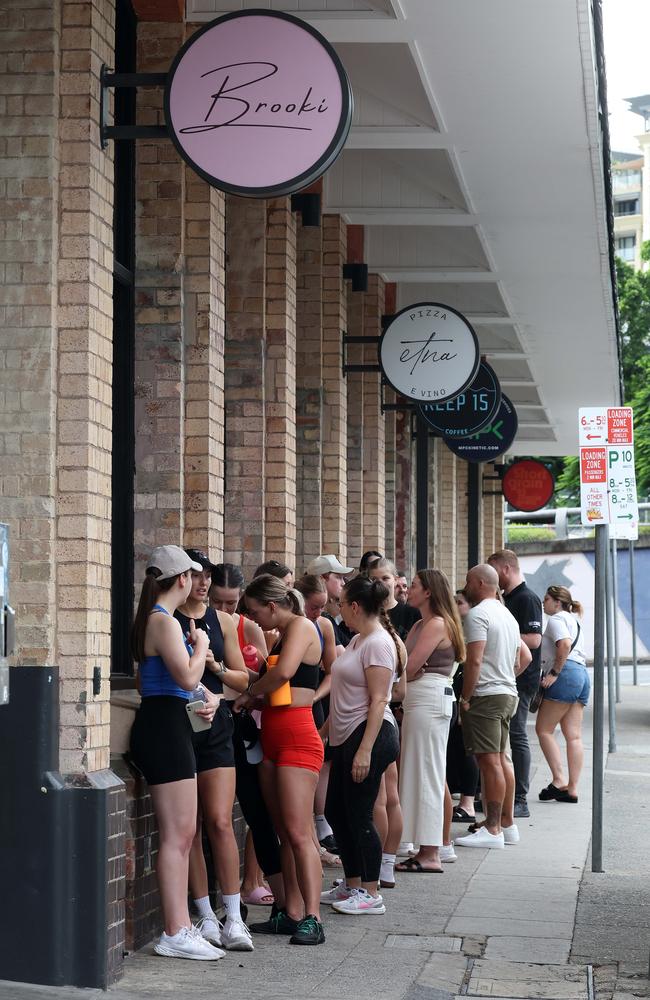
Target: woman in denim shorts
{"points": [[566, 692]]}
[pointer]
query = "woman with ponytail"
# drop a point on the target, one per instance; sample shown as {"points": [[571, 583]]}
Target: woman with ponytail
{"points": [[566, 692], [433, 645], [169, 671], [293, 751], [363, 742]]}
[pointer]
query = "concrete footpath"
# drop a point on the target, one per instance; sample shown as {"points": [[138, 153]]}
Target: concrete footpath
{"points": [[531, 921]]}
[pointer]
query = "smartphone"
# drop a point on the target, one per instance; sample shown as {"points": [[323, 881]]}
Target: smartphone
{"points": [[197, 722]]}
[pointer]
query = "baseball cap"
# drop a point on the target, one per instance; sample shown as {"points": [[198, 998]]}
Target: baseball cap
{"points": [[171, 560], [200, 557], [328, 564]]}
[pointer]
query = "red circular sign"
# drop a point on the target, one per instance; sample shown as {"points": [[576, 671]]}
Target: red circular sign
{"points": [[528, 485]]}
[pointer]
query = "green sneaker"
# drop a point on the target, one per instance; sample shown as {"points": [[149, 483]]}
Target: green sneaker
{"points": [[309, 931], [278, 923]]}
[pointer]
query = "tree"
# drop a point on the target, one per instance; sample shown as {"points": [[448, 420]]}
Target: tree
{"points": [[634, 312]]}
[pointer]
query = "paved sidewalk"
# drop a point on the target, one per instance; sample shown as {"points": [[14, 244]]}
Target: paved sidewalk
{"points": [[497, 924]]}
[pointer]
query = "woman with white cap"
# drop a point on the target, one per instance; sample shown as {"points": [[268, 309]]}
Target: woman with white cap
{"points": [[170, 669]]}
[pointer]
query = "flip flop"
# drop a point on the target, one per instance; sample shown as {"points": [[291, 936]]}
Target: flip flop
{"points": [[414, 866], [259, 897], [461, 816]]}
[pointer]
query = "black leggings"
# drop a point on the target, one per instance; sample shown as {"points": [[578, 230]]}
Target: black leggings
{"points": [[253, 807], [349, 804], [462, 769]]}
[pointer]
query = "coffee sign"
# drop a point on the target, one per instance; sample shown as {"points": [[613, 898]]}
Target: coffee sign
{"points": [[429, 352], [471, 410], [258, 103]]}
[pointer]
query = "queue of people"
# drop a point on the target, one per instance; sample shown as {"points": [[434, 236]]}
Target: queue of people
{"points": [[342, 713]]}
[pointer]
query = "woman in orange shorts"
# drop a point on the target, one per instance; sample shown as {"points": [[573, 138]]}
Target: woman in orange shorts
{"points": [[293, 750]]}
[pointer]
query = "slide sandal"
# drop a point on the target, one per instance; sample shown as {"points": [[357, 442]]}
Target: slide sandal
{"points": [[414, 866], [259, 897]]}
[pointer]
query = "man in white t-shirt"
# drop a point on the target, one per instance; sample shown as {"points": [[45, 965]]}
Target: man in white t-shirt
{"points": [[488, 702]]}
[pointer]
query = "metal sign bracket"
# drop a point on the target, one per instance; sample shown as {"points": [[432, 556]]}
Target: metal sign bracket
{"points": [[354, 339], [108, 79]]}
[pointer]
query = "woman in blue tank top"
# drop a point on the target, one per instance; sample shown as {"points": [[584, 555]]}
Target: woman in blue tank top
{"points": [[170, 669]]}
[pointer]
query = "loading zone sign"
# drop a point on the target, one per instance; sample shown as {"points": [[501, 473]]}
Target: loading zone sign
{"points": [[607, 475]]}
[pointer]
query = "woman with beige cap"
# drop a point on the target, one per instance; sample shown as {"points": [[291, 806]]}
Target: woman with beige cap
{"points": [[169, 671]]}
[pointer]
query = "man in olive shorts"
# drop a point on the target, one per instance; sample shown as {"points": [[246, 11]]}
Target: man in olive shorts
{"points": [[488, 703]]}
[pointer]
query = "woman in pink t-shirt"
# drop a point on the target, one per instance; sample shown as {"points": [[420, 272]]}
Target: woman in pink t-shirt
{"points": [[363, 741]]}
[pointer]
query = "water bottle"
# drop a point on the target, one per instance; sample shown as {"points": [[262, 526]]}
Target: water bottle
{"points": [[251, 657]]}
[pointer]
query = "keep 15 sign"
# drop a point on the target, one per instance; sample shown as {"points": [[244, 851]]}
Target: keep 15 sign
{"points": [[607, 476]]}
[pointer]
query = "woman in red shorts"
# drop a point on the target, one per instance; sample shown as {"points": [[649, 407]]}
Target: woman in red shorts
{"points": [[293, 750]]}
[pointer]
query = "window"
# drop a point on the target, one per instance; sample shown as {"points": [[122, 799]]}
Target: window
{"points": [[630, 206], [625, 246]]}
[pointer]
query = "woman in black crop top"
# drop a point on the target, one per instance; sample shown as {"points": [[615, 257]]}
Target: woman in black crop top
{"points": [[293, 750], [215, 765]]}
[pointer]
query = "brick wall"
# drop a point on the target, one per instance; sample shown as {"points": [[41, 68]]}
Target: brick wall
{"points": [[355, 389], [404, 494], [446, 522], [29, 87], [309, 394], [461, 522], [335, 399], [374, 482]]}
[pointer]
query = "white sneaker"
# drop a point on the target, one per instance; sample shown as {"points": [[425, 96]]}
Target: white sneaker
{"points": [[510, 834], [447, 854], [187, 943], [404, 850], [210, 929], [360, 902], [482, 838], [235, 936], [336, 894]]}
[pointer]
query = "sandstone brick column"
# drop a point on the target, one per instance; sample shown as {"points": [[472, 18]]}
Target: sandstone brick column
{"points": [[404, 494], [203, 328], [29, 264], [355, 391], [461, 521], [335, 399], [309, 393], [499, 523], [159, 384], [493, 507], [83, 456], [374, 485], [447, 513], [244, 382], [280, 382], [389, 474]]}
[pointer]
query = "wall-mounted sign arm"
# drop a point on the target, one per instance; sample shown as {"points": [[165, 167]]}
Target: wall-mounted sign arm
{"points": [[309, 206], [361, 367], [109, 80], [358, 274]]}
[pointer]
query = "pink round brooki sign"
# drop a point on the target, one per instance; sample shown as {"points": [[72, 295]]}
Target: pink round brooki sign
{"points": [[258, 103]]}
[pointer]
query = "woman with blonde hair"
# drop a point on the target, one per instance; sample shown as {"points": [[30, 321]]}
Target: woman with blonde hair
{"points": [[433, 646], [566, 692]]}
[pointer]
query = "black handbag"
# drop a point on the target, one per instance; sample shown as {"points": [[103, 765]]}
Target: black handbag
{"points": [[538, 697]]}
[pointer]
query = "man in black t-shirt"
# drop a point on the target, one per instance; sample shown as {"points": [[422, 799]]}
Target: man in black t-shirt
{"points": [[526, 607]]}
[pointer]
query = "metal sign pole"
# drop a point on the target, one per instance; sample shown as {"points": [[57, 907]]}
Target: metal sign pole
{"points": [[635, 665], [602, 533], [617, 658], [609, 629]]}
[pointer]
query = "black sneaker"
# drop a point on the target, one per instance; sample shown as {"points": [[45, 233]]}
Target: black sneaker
{"points": [[309, 931], [521, 810], [278, 923], [329, 844]]}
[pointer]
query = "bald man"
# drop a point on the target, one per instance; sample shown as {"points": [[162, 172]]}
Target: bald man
{"points": [[488, 703]]}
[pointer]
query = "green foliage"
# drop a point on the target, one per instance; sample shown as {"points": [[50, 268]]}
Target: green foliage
{"points": [[529, 533], [634, 311]]}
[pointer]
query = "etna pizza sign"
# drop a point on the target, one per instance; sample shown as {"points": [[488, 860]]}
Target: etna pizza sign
{"points": [[258, 103]]}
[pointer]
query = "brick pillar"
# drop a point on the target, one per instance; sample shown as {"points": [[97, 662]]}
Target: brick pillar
{"points": [[404, 494], [83, 455], [335, 399], [29, 262], [309, 393], [159, 383], [374, 479], [390, 474], [244, 381], [499, 523], [461, 522], [446, 521], [355, 389], [280, 382], [203, 326]]}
